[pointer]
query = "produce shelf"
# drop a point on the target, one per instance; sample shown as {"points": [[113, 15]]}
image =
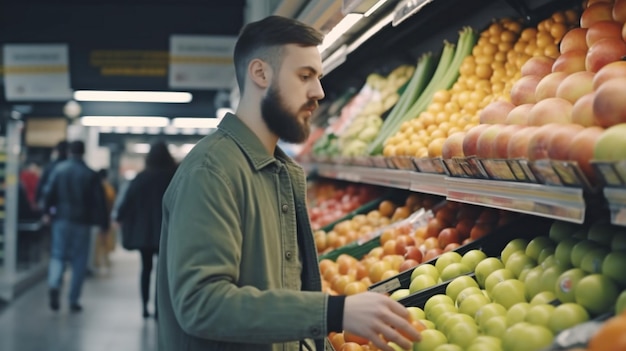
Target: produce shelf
{"points": [[563, 203], [616, 198], [400, 179]]}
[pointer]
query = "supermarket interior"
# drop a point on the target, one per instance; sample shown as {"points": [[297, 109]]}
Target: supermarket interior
{"points": [[468, 158]]}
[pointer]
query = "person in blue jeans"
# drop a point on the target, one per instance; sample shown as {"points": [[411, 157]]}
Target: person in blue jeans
{"points": [[75, 199]]}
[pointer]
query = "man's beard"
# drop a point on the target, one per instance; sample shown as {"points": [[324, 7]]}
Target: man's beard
{"points": [[280, 121]]}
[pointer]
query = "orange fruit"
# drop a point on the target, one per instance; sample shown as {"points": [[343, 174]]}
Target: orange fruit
{"points": [[349, 337], [337, 340], [610, 336], [386, 208], [351, 346]]}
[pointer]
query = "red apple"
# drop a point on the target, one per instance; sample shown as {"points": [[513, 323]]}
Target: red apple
{"points": [[453, 146], [570, 62], [495, 112], [451, 246], [609, 105], [603, 29], [402, 242], [486, 145], [523, 91], [519, 115], [624, 32], [575, 85], [447, 236], [464, 226], [561, 140], [609, 71], [539, 65], [479, 230], [407, 264], [574, 39], [432, 253], [540, 142], [582, 111], [603, 52], [548, 85], [581, 150], [502, 139], [433, 228], [601, 11], [471, 139], [550, 110], [619, 11], [413, 253], [518, 143]]}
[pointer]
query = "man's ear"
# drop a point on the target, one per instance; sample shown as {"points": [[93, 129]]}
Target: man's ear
{"points": [[259, 73]]}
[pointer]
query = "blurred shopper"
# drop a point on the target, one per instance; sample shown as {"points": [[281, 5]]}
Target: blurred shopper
{"points": [[238, 268], [75, 199], [59, 154], [139, 213], [105, 244], [29, 177]]}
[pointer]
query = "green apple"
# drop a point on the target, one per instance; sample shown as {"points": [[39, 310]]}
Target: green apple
{"points": [[563, 252], [567, 315], [539, 314], [602, 232], [486, 339], [566, 284], [425, 269], [496, 326], [524, 272], [421, 282], [434, 312], [488, 311], [548, 262], [549, 278], [533, 282], [458, 284], [580, 249], [481, 346], [592, 261], [455, 319], [518, 261], [546, 252], [446, 259], [395, 346], [514, 245], [613, 266], [597, 293], [443, 317], [416, 313], [462, 334], [473, 303], [620, 305], [525, 336], [536, 245], [448, 347], [618, 243], [465, 293], [454, 270], [497, 277], [516, 313], [472, 258], [428, 324], [486, 267], [400, 294], [543, 297], [437, 299], [509, 292], [560, 230], [431, 338]]}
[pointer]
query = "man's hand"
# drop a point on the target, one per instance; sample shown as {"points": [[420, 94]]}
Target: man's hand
{"points": [[379, 319]]}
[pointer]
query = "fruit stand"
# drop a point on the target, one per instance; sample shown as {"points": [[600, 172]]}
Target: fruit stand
{"points": [[513, 129]]}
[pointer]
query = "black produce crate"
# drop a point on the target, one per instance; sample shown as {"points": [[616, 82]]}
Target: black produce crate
{"points": [[491, 244]]}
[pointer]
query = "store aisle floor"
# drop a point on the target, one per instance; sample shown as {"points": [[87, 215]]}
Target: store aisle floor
{"points": [[110, 321]]}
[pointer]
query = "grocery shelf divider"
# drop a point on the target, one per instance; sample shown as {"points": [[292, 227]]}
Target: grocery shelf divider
{"points": [[429, 183], [616, 198], [557, 202], [394, 178]]}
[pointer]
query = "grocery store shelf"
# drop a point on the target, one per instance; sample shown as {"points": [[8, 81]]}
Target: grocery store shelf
{"points": [[557, 202], [564, 203], [616, 198]]}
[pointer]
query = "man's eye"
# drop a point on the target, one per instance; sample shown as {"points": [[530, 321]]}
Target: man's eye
{"points": [[305, 76]]}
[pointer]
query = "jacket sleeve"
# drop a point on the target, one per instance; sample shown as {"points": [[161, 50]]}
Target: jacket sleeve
{"points": [[203, 243]]}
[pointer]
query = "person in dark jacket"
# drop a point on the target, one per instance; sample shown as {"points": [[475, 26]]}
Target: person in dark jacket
{"points": [[139, 213], [59, 155], [75, 199]]}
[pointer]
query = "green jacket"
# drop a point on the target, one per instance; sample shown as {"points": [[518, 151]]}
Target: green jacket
{"points": [[231, 272]]}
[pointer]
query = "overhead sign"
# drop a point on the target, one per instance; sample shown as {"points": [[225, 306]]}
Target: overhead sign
{"points": [[201, 62], [36, 72]]}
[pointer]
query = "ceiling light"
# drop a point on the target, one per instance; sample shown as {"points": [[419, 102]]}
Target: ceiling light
{"points": [[133, 96], [342, 27], [195, 122], [124, 121]]}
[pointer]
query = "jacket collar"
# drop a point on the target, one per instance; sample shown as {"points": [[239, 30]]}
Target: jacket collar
{"points": [[250, 143]]}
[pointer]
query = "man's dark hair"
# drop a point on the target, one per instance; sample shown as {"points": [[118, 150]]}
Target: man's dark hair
{"points": [[264, 39], [77, 148], [61, 149], [159, 157]]}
